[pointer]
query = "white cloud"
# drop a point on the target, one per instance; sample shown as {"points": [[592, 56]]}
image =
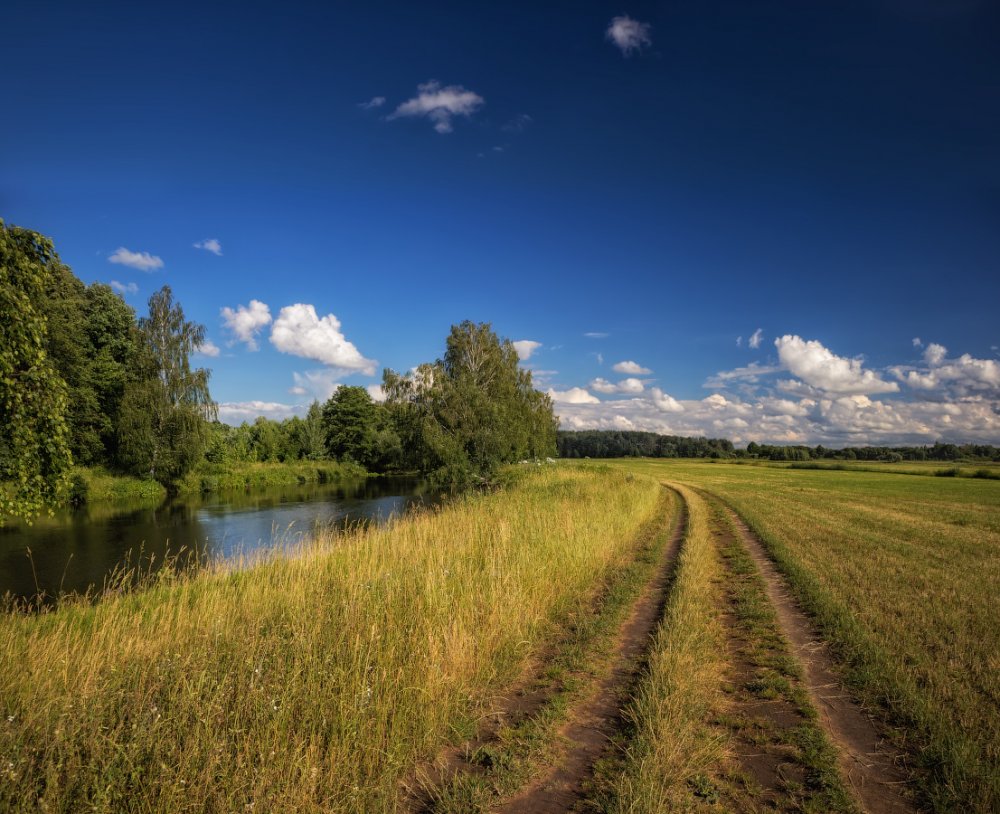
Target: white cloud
{"points": [[600, 358], [629, 385], [935, 354], [665, 402], [755, 338], [440, 104], [376, 392], [371, 104], [628, 35], [962, 375], [596, 335], [236, 412], [631, 367], [518, 123], [525, 347], [208, 348], [210, 245], [143, 261], [299, 331], [247, 321], [917, 343], [318, 384], [739, 341], [751, 373], [849, 420], [811, 362], [575, 395], [125, 288]]}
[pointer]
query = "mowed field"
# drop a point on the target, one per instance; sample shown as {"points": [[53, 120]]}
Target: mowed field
{"points": [[634, 636], [902, 575]]}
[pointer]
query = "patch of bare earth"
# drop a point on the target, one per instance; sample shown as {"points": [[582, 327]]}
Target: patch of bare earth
{"points": [[870, 766], [586, 735], [589, 726]]}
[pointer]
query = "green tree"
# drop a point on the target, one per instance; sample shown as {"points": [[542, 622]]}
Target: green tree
{"points": [[162, 428], [467, 414], [351, 421], [34, 436]]}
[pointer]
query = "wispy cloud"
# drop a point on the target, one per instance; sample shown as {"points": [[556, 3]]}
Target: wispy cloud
{"points": [[525, 347], [247, 321], [298, 330], [628, 35], [755, 338], [440, 104], [519, 123], [210, 245], [143, 261], [236, 412], [371, 104], [634, 368], [596, 335], [750, 373], [208, 348], [630, 385], [125, 288]]}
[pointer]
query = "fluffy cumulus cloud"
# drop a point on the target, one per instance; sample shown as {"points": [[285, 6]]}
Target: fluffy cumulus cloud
{"points": [[575, 395], [440, 104], [525, 347], [125, 288], [208, 348], [143, 261], [628, 35], [836, 421], [665, 402], [960, 376], [821, 369], [245, 322], [632, 368], [210, 244], [756, 338], [299, 331], [236, 412]]}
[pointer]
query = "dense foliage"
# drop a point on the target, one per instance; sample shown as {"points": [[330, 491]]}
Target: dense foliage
{"points": [[34, 437], [620, 444], [624, 444], [461, 417]]}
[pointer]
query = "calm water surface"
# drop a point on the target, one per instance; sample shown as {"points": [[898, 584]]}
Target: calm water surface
{"points": [[77, 550]]}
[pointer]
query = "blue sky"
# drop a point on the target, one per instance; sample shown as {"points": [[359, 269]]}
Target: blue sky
{"points": [[678, 178]]}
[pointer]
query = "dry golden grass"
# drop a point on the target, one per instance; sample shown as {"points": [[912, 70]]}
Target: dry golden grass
{"points": [[307, 683]]}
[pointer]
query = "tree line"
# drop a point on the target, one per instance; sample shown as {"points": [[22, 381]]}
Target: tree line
{"points": [[85, 381]]}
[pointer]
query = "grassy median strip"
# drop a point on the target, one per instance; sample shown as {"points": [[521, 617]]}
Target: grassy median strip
{"points": [[306, 683], [672, 745]]}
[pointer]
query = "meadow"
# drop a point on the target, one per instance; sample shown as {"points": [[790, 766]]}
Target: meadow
{"points": [[307, 683], [900, 573]]}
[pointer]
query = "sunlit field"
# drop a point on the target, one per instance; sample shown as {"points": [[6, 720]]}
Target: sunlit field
{"points": [[310, 683], [901, 574]]}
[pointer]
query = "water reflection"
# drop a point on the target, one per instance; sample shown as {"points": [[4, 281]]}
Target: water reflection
{"points": [[78, 550]]}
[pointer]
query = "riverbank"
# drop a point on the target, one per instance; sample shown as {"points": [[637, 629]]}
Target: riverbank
{"points": [[313, 682], [96, 484]]}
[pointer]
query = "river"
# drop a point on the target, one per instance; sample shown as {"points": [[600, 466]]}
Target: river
{"points": [[77, 551]]}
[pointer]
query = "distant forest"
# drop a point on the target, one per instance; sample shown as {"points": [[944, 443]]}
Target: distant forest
{"points": [[624, 444]]}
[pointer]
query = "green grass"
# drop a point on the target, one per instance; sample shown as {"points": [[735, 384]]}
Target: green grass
{"points": [[901, 575], [671, 747], [314, 682]]}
